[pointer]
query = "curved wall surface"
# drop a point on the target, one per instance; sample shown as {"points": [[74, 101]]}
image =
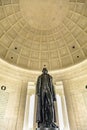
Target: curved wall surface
{"points": [[12, 100]]}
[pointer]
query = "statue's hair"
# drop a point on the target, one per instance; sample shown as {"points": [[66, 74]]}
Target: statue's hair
{"points": [[45, 69]]}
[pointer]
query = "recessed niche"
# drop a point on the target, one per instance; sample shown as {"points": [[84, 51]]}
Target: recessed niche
{"points": [[15, 48], [86, 86], [77, 56], [3, 87], [11, 57], [73, 47]]}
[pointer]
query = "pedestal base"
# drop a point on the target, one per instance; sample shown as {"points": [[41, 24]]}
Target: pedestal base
{"points": [[47, 128]]}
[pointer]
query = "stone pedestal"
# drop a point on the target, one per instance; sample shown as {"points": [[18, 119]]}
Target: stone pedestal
{"points": [[47, 128]]}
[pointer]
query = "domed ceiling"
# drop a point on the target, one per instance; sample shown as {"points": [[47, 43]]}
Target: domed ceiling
{"points": [[34, 33]]}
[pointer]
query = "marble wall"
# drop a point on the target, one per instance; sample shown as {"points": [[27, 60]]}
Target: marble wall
{"points": [[13, 99], [76, 98], [12, 103]]}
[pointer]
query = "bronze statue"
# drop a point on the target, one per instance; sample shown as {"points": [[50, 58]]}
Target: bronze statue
{"points": [[45, 116]]}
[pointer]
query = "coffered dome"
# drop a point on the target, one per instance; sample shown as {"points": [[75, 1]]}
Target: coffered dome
{"points": [[38, 32]]}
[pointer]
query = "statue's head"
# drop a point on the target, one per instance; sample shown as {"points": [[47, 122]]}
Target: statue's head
{"points": [[45, 71]]}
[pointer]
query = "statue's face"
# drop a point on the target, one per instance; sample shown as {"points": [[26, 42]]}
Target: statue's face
{"points": [[44, 71]]}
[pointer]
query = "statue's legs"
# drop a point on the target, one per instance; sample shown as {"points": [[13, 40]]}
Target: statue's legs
{"points": [[47, 112], [50, 107], [43, 106], [47, 109]]}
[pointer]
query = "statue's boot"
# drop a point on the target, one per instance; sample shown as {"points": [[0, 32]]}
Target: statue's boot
{"points": [[54, 125]]}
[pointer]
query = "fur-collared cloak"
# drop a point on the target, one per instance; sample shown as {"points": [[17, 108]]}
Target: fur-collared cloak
{"points": [[39, 92]]}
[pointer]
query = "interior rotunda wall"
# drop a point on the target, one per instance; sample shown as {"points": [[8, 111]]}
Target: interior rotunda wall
{"points": [[76, 98], [12, 104]]}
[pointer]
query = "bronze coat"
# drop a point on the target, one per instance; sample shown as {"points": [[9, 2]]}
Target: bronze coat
{"points": [[38, 92]]}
